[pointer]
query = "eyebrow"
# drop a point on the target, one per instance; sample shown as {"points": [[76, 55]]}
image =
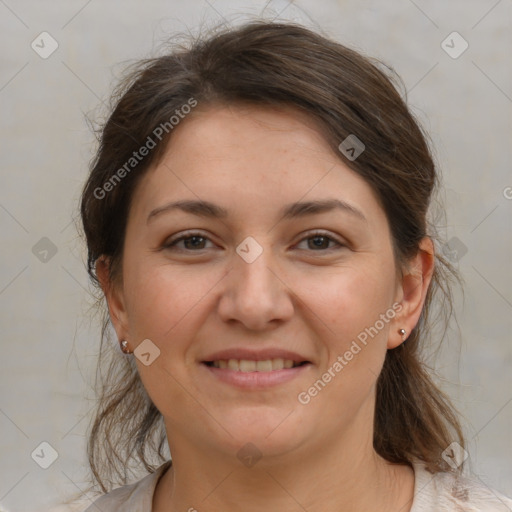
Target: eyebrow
{"points": [[300, 209]]}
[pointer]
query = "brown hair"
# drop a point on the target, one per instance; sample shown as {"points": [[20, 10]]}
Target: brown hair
{"points": [[276, 65]]}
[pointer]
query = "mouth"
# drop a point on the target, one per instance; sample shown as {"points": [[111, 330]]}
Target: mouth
{"points": [[251, 365], [254, 374]]}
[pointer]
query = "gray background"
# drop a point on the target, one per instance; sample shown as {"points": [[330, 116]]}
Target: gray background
{"points": [[49, 339]]}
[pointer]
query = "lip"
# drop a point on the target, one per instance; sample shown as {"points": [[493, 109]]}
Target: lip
{"points": [[255, 355], [255, 380]]}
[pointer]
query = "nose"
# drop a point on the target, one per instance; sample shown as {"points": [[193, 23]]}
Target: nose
{"points": [[256, 294]]}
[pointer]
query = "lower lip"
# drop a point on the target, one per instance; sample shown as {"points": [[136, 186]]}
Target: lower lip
{"points": [[256, 380]]}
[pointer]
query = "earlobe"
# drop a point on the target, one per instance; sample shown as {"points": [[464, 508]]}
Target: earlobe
{"points": [[114, 297], [415, 283]]}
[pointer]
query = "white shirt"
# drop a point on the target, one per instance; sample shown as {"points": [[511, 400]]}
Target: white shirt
{"points": [[441, 492]]}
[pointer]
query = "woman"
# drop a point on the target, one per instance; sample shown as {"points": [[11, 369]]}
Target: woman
{"points": [[256, 217]]}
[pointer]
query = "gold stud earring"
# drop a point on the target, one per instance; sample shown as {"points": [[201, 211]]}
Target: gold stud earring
{"points": [[124, 347]]}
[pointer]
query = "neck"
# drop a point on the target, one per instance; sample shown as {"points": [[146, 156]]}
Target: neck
{"points": [[342, 474]]}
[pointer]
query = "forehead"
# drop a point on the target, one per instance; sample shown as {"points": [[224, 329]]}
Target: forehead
{"points": [[235, 155], [241, 122]]}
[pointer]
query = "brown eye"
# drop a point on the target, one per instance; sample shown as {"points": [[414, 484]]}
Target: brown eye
{"points": [[191, 242], [320, 242]]}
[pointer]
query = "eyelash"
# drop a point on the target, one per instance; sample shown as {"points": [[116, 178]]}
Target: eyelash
{"points": [[191, 234]]}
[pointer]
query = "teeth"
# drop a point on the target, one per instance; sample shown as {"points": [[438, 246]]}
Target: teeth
{"points": [[264, 366], [277, 364], [245, 365], [233, 364]]}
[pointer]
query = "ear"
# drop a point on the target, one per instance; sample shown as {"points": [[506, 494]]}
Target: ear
{"points": [[412, 291], [114, 295]]}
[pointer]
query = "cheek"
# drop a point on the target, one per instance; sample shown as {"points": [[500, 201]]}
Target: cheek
{"points": [[350, 304], [167, 306], [351, 298], [163, 300]]}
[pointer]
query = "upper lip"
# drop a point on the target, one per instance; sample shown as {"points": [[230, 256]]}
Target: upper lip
{"points": [[255, 355]]}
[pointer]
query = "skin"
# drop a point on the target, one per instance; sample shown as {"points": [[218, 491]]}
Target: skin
{"points": [[312, 300]]}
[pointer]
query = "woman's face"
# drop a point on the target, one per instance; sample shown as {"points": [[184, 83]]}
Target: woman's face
{"points": [[264, 273]]}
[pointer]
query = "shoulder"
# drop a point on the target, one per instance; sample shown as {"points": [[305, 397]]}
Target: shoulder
{"points": [[451, 492], [137, 496]]}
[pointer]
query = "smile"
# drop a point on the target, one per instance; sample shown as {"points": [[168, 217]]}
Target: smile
{"points": [[248, 365], [249, 374]]}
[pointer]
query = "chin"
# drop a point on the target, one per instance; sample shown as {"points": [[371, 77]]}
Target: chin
{"points": [[272, 431]]}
